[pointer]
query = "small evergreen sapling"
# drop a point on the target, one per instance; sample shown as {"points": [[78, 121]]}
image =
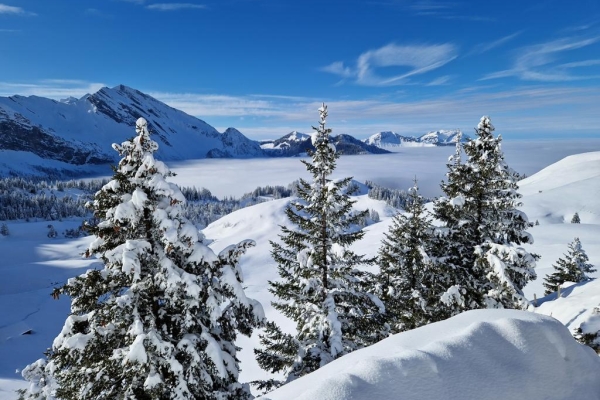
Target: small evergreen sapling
{"points": [[321, 287], [159, 320], [573, 267], [576, 219]]}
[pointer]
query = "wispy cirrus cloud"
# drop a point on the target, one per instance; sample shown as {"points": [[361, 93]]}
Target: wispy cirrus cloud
{"points": [[415, 59], [442, 80], [485, 47], [12, 10], [174, 6], [442, 10], [541, 62]]}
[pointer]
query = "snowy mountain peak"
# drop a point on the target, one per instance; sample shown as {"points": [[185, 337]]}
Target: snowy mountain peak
{"points": [[61, 134], [389, 140], [296, 136], [443, 137]]}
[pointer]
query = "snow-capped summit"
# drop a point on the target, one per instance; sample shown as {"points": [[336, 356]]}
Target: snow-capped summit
{"points": [[47, 134], [443, 137], [296, 143], [390, 139], [296, 136], [285, 142]]}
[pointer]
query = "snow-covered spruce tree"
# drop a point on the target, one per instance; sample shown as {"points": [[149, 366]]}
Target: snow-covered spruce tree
{"points": [[160, 319], [482, 228], [4, 229], [408, 281], [576, 219], [321, 287], [574, 267], [588, 332]]}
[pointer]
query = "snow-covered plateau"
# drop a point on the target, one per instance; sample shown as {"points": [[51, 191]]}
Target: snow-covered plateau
{"points": [[479, 355]]}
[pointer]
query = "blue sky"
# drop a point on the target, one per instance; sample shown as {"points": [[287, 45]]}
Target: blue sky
{"points": [[264, 66]]}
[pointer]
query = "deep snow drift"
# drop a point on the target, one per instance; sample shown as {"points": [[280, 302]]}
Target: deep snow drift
{"points": [[481, 354]]}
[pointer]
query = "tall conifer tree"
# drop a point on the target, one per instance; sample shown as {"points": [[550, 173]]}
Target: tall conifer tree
{"points": [[409, 282], [160, 319], [321, 287], [482, 228]]}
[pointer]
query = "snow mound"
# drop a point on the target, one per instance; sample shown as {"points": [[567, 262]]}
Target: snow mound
{"points": [[482, 354]]}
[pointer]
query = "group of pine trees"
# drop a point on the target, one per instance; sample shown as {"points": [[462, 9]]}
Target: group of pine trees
{"points": [[160, 319], [426, 273]]}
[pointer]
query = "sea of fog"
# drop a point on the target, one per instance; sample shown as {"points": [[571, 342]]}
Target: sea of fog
{"points": [[234, 177]]}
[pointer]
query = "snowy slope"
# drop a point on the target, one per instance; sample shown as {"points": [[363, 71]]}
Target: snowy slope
{"points": [[564, 188], [81, 131], [551, 197], [482, 355]]}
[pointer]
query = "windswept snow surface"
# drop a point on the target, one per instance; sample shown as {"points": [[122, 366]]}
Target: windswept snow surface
{"points": [[478, 355]]}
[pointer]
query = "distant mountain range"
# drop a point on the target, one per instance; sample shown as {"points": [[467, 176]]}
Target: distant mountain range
{"points": [[387, 140], [296, 143], [41, 136]]}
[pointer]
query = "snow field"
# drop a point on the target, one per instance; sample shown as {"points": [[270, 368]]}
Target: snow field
{"points": [[32, 264]]}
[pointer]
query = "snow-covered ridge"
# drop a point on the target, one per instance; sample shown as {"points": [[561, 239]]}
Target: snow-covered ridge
{"points": [[82, 131], [388, 139], [296, 143]]}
